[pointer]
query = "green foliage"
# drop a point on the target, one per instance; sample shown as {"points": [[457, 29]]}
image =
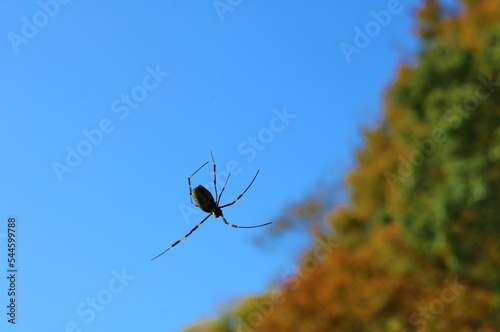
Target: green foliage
{"points": [[451, 93], [418, 246]]}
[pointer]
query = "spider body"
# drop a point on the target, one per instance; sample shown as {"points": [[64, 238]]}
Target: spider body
{"points": [[203, 199]]}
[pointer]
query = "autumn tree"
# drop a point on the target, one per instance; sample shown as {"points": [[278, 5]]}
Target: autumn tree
{"points": [[417, 248]]}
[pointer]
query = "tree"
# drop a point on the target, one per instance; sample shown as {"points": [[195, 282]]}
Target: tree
{"points": [[417, 248]]}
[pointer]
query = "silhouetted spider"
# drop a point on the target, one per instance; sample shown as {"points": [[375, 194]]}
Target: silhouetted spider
{"points": [[204, 200]]}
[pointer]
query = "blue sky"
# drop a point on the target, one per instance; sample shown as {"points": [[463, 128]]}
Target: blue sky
{"points": [[107, 108]]}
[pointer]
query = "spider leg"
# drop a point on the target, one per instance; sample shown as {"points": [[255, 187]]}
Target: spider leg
{"points": [[236, 226], [215, 174], [241, 193], [185, 236], [218, 199], [189, 183]]}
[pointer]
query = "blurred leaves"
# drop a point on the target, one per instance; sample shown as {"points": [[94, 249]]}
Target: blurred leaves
{"points": [[417, 246]]}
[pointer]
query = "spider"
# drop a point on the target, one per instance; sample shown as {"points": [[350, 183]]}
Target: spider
{"points": [[204, 200]]}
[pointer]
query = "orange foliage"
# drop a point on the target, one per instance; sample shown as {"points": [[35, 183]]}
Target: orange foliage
{"points": [[419, 252], [382, 285]]}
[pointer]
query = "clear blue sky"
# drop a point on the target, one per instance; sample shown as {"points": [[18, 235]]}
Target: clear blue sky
{"points": [[142, 92]]}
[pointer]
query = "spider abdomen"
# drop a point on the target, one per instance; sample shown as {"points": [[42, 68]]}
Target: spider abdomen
{"points": [[204, 199]]}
